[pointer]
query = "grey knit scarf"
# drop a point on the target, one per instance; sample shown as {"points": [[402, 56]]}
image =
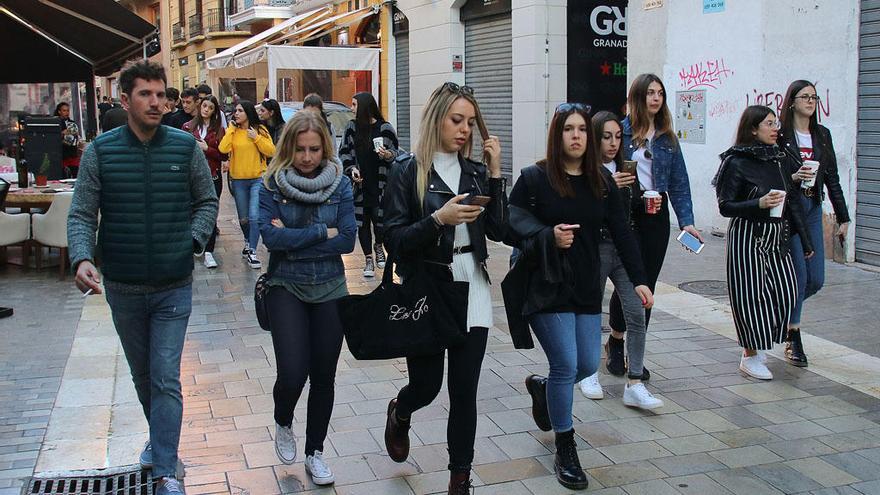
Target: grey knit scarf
{"points": [[314, 191]]}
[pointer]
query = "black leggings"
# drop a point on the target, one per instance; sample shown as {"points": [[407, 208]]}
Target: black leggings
{"points": [[218, 187], [425, 380], [652, 232], [370, 218], [307, 339]]}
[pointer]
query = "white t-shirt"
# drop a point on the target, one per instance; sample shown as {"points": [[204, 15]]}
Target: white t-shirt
{"points": [[805, 145], [611, 166], [645, 166]]}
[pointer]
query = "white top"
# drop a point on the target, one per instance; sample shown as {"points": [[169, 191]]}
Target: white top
{"points": [[805, 145], [645, 166], [611, 166], [464, 266]]}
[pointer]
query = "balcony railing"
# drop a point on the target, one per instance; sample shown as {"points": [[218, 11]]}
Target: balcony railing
{"points": [[247, 4], [215, 21], [177, 34], [195, 25]]}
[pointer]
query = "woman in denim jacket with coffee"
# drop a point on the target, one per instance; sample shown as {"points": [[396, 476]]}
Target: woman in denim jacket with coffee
{"points": [[648, 138], [307, 223]]}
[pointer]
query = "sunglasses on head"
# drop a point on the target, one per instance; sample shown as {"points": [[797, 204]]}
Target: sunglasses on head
{"points": [[455, 88], [568, 107]]}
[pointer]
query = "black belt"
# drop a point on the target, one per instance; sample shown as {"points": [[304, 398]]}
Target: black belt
{"points": [[462, 249]]}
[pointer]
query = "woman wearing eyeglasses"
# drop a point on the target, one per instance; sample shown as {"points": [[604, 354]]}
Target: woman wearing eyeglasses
{"points": [[752, 186], [648, 138], [803, 138], [428, 223], [557, 209]]}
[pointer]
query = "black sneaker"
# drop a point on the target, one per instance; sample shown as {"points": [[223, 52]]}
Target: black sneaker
{"points": [[380, 255], [614, 361]]}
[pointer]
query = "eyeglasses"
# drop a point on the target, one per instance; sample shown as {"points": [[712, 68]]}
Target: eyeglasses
{"points": [[808, 97], [772, 124], [455, 88], [568, 107]]}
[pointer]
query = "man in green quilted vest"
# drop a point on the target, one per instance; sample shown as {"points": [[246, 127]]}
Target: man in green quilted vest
{"points": [[152, 187]]}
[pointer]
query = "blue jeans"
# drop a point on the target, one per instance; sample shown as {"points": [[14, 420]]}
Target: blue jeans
{"points": [[152, 329], [810, 272], [570, 342], [246, 193]]}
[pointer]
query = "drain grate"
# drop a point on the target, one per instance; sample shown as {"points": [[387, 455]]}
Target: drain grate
{"points": [[705, 287], [126, 480]]}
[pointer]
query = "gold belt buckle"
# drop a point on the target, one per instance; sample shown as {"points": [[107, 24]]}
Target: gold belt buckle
{"points": [[809, 192]]}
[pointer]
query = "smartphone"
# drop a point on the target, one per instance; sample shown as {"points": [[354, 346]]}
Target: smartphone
{"points": [[475, 200], [689, 241], [629, 167], [570, 227]]}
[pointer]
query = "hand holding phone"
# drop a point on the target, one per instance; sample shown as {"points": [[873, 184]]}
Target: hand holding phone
{"points": [[476, 200], [564, 234], [690, 242]]}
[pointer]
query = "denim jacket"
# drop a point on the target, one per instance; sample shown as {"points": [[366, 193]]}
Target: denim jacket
{"points": [[670, 173], [300, 251]]}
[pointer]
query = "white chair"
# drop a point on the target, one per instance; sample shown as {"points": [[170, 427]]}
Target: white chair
{"points": [[15, 230], [50, 229]]}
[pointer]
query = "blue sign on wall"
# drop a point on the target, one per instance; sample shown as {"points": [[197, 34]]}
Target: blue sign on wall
{"points": [[710, 6]]}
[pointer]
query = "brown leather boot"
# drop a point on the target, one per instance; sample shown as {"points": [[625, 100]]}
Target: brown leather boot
{"points": [[396, 434], [459, 483]]}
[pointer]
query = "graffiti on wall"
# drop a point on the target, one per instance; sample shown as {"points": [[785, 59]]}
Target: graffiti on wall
{"points": [[773, 99], [709, 74], [724, 109]]}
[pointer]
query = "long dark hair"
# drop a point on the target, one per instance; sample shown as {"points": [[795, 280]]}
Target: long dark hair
{"points": [[786, 116], [366, 111], [276, 119], [251, 112], [599, 121], [313, 100], [749, 121], [554, 163], [58, 108], [638, 110], [213, 122]]}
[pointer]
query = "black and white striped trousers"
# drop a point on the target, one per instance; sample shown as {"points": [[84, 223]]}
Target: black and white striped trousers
{"points": [[761, 282]]}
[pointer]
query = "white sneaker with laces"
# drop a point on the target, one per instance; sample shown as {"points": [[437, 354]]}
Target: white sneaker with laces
{"points": [[753, 367], [591, 388], [285, 444], [319, 470], [146, 457], [210, 262], [637, 395], [380, 255], [369, 267], [253, 261]]}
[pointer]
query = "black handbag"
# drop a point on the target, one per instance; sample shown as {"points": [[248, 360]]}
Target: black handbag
{"points": [[260, 291], [422, 316]]}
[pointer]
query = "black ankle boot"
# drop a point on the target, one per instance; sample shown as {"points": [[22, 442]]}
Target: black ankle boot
{"points": [[567, 464], [537, 387], [459, 483], [794, 350], [614, 361]]}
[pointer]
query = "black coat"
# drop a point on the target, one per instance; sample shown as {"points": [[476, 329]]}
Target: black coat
{"points": [[411, 235], [827, 176]]}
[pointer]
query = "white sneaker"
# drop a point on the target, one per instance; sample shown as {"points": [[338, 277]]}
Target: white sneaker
{"points": [[637, 395], [253, 261], [753, 367], [369, 267], [763, 355], [591, 388], [285, 444], [319, 470], [210, 262]]}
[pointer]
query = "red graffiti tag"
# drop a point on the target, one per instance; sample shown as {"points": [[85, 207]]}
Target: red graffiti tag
{"points": [[709, 74]]}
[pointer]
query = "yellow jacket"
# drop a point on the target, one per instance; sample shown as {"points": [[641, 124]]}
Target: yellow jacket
{"points": [[247, 157]]}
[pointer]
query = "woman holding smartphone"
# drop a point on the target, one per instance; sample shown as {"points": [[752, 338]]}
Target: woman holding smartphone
{"points": [[803, 138], [755, 191], [428, 224], [207, 130], [367, 162], [608, 133], [648, 138], [558, 208]]}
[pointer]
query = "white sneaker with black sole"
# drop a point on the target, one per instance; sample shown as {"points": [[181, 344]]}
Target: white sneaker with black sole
{"points": [[319, 470], [285, 444], [369, 267], [253, 261], [591, 388], [637, 395], [210, 262], [380, 255]]}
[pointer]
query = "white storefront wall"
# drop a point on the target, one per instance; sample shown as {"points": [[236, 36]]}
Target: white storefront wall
{"points": [[748, 54]]}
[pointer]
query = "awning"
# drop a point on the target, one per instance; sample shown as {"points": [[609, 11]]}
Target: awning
{"points": [[61, 40], [227, 56], [318, 29]]}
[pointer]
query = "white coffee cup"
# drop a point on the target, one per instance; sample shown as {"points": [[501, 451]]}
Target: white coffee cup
{"points": [[776, 211], [378, 143], [814, 167]]}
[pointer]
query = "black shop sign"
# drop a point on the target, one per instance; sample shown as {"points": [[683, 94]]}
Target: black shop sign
{"points": [[597, 53]]}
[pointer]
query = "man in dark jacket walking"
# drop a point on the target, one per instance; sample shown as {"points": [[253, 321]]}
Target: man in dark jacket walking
{"points": [[153, 189]]}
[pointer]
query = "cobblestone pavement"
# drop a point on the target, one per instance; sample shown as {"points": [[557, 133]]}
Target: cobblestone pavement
{"points": [[720, 433]]}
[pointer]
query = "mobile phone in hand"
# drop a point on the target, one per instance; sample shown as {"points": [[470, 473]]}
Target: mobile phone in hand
{"points": [[476, 200], [689, 241], [574, 226]]}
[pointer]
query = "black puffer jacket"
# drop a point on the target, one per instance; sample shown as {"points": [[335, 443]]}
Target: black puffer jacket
{"points": [[749, 172], [827, 176], [411, 234]]}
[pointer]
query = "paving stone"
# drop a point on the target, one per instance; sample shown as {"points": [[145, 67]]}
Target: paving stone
{"points": [[823, 473], [396, 486], [519, 445], [692, 444], [516, 469], [688, 464], [253, 481], [868, 487], [637, 451], [745, 456], [697, 484], [707, 421], [784, 478], [625, 474], [353, 442], [796, 449], [672, 425], [855, 465], [742, 482], [837, 490], [842, 424], [855, 440]]}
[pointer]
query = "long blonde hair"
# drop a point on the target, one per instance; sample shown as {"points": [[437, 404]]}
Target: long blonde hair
{"points": [[286, 148], [431, 126]]}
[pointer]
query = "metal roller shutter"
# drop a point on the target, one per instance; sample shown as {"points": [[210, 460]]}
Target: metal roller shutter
{"points": [[868, 139], [488, 61], [403, 124]]}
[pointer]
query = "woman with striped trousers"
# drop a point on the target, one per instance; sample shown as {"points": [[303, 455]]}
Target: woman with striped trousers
{"points": [[751, 186]]}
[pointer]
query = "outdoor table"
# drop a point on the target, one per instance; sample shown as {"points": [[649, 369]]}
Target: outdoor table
{"points": [[36, 197]]}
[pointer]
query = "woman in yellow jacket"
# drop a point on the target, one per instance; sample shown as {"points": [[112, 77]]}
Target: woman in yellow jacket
{"points": [[249, 146]]}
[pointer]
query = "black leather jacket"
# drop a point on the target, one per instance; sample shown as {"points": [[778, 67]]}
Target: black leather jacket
{"points": [[827, 176], [412, 235], [749, 172]]}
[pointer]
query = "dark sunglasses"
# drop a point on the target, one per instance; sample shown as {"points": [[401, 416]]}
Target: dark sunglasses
{"points": [[455, 88], [568, 107], [648, 154]]}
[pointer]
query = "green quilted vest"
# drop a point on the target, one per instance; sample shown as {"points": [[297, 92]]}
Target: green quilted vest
{"points": [[145, 237]]}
